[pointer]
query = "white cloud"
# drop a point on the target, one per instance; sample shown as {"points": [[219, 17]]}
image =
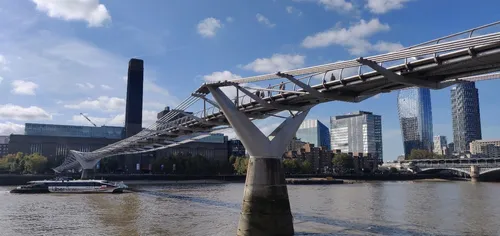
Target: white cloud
{"points": [[1, 79], [148, 118], [354, 38], [383, 6], [106, 87], [151, 86], [9, 128], [155, 105], [229, 19], [58, 63], [3, 63], [263, 20], [221, 76], [278, 62], [85, 85], [292, 10], [230, 91], [91, 11], [22, 87], [337, 5], [103, 103], [382, 46], [14, 112], [208, 27], [79, 119]]}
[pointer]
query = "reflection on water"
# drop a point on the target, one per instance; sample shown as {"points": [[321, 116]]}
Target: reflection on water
{"points": [[379, 208]]}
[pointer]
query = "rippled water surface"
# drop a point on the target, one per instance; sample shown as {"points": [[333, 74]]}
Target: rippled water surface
{"points": [[379, 208]]}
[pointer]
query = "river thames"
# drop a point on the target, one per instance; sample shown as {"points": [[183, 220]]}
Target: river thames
{"points": [[376, 208]]}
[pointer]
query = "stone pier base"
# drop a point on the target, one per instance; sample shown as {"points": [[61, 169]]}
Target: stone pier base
{"points": [[266, 207], [88, 173]]}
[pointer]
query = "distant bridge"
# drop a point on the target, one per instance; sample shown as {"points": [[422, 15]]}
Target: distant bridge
{"points": [[474, 167], [266, 210]]}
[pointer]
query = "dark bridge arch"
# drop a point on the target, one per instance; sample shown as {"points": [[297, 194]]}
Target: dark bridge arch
{"points": [[424, 170], [489, 171]]}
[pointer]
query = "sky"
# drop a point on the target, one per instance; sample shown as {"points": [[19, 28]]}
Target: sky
{"points": [[60, 58]]}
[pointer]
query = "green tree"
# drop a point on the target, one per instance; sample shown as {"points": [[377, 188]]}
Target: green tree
{"points": [[342, 162], [35, 163], [13, 162], [306, 167], [393, 170], [291, 166], [419, 154], [232, 159], [240, 165]]}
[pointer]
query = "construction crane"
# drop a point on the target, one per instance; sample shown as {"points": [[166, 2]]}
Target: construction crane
{"points": [[88, 119]]}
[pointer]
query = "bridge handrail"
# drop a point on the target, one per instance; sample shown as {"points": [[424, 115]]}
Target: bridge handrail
{"points": [[392, 56], [470, 31]]}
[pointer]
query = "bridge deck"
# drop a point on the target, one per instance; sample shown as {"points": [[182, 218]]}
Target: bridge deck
{"points": [[434, 66]]}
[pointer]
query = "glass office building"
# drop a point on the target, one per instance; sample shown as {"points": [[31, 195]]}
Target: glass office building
{"points": [[465, 115], [415, 116], [315, 132], [110, 132], [359, 132]]}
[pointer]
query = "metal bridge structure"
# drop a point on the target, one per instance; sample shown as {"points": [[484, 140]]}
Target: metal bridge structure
{"points": [[471, 55]]}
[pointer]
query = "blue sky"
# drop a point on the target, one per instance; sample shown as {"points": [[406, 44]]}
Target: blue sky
{"points": [[60, 58]]}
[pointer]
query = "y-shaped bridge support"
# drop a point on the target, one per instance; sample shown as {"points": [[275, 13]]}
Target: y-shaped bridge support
{"points": [[88, 166], [266, 207]]}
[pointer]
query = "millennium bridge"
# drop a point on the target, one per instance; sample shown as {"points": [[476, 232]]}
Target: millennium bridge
{"points": [[471, 55]]}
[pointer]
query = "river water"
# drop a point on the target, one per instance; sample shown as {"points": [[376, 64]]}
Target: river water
{"points": [[378, 208]]}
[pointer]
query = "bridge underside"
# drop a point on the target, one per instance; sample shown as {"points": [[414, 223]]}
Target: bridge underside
{"points": [[435, 170]]}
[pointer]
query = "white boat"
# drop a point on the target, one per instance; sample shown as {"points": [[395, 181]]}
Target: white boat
{"points": [[71, 186]]}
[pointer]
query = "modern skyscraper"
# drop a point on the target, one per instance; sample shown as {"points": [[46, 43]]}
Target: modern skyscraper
{"points": [[133, 109], [465, 114], [415, 116], [440, 145], [315, 132], [359, 132]]}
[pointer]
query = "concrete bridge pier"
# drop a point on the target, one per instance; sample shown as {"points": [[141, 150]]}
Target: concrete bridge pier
{"points": [[87, 174], [474, 173], [88, 165], [266, 208]]}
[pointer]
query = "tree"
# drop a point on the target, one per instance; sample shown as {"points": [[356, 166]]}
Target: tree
{"points": [[342, 162], [240, 165], [393, 170], [232, 159], [35, 163], [291, 165], [418, 154], [306, 167], [13, 162]]}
